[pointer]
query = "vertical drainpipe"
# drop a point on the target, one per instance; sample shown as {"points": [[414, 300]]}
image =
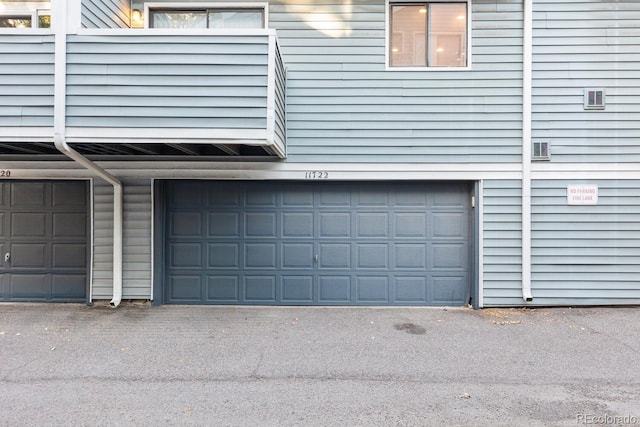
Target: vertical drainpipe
{"points": [[59, 15], [527, 81]]}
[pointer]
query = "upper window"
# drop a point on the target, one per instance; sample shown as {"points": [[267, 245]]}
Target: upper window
{"points": [[207, 18], [428, 34], [41, 19]]}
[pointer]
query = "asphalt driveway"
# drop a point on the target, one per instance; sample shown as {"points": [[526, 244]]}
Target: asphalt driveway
{"points": [[67, 364]]}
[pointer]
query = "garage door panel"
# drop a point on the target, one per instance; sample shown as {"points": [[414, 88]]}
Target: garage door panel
{"points": [[453, 195], [186, 287], [334, 195], [410, 256], [449, 225], [260, 288], [335, 225], [372, 224], [374, 255], [372, 289], [297, 289], [186, 255], [257, 197], [321, 243], [29, 195], [29, 286], [224, 255], [29, 256], [449, 290], [25, 224], [334, 256], [297, 225], [334, 289], [67, 286], [69, 256], [188, 196], [186, 224], [410, 289], [260, 255], [411, 225], [449, 256], [221, 195], [65, 196], [69, 225], [410, 198], [223, 288], [371, 197], [297, 255], [297, 196], [224, 224], [260, 224]]}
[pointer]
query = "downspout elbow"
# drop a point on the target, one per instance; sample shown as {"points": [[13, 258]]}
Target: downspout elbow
{"points": [[64, 148]]}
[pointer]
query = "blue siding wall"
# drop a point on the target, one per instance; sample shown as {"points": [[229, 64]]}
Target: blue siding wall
{"points": [[587, 44], [502, 251], [586, 254], [26, 80], [105, 13], [167, 81], [344, 107]]}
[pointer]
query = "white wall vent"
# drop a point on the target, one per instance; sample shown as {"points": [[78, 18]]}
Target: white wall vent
{"points": [[594, 99], [540, 150]]}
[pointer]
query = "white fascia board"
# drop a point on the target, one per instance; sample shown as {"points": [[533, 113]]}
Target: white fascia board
{"points": [[541, 171], [176, 32], [158, 135], [549, 167], [28, 134], [268, 170], [26, 31]]}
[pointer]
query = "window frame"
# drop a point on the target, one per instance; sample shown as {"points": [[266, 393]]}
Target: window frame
{"points": [[388, 34], [206, 6], [32, 14]]}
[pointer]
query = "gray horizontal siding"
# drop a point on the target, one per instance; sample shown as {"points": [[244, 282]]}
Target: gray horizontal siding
{"points": [[136, 241], [586, 254], [343, 106], [587, 44], [173, 81], [26, 80], [502, 246], [105, 14]]}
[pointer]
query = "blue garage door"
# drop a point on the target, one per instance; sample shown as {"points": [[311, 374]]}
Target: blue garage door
{"points": [[43, 240], [282, 243]]}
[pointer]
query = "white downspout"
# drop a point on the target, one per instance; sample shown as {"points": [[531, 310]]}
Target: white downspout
{"points": [[60, 23], [64, 148], [527, 82]]}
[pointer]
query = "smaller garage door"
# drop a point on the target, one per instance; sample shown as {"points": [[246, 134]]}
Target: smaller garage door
{"points": [[282, 243], [43, 240]]}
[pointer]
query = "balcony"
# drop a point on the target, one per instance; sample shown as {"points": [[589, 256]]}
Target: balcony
{"points": [[152, 92]]}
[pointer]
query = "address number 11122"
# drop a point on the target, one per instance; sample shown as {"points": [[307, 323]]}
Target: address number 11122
{"points": [[316, 175]]}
